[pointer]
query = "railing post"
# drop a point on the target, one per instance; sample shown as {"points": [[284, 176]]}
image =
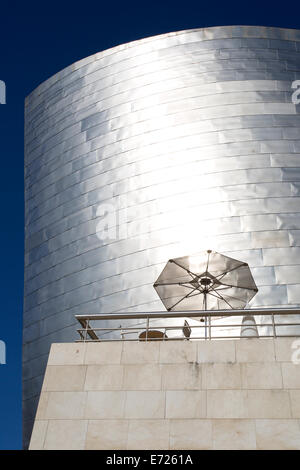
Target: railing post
{"points": [[147, 328], [274, 326], [87, 325]]}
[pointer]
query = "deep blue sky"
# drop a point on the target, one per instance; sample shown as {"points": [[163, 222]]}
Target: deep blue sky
{"points": [[37, 42]]}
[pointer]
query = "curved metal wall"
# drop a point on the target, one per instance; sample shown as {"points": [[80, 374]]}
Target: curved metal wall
{"points": [[181, 142]]}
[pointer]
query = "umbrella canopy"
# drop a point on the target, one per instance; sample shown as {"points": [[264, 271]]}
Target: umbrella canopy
{"points": [[208, 281]]}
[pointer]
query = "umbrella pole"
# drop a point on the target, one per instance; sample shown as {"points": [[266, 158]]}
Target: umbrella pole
{"points": [[205, 308]]}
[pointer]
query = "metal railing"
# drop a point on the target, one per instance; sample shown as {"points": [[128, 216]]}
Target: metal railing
{"points": [[158, 326]]}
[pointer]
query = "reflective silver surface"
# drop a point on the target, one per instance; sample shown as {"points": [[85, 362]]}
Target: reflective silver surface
{"points": [[190, 141]]}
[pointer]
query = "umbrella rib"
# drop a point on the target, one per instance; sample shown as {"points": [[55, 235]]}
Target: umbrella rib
{"points": [[232, 297], [240, 300], [236, 287], [222, 288], [230, 270], [214, 289], [187, 270], [173, 284], [190, 293], [221, 297], [187, 295]]}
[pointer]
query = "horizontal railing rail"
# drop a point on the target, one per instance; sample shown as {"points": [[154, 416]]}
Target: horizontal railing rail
{"points": [[250, 325]]}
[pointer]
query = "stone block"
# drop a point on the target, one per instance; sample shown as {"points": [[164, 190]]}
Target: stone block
{"points": [[234, 434], [65, 405], [142, 377], [278, 434], [284, 348], [221, 376], [295, 403], [107, 434], [66, 354], [177, 352], [191, 434], [140, 352], [261, 376], [38, 435], [216, 351], [267, 404], [108, 352], [145, 404], [42, 406], [148, 434], [66, 435], [185, 404], [255, 350], [226, 404], [290, 375], [105, 405], [104, 377], [64, 378], [181, 376]]}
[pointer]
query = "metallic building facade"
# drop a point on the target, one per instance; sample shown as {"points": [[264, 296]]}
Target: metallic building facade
{"points": [[155, 149]]}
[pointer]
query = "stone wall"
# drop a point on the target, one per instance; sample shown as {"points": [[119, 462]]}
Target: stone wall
{"points": [[242, 394]]}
